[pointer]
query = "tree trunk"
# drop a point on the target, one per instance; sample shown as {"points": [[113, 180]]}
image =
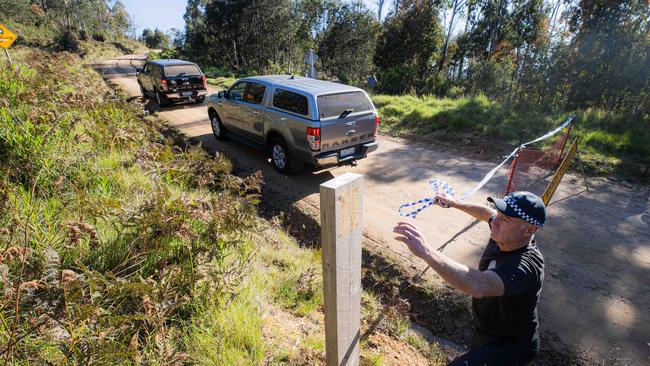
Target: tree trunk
{"points": [[441, 63], [380, 7], [67, 14], [470, 9], [234, 47]]}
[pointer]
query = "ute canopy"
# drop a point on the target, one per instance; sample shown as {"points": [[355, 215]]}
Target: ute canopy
{"points": [[180, 70], [333, 105]]}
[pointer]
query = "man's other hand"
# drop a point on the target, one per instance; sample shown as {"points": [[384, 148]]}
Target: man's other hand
{"points": [[413, 237], [444, 201]]}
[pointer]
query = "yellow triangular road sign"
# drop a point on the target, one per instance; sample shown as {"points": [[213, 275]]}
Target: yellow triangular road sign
{"points": [[7, 37]]}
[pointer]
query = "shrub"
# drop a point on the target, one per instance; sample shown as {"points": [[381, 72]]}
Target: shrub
{"points": [[99, 37], [396, 80], [68, 41], [120, 244]]}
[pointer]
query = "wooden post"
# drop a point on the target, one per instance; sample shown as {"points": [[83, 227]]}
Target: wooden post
{"points": [[341, 207], [8, 57]]}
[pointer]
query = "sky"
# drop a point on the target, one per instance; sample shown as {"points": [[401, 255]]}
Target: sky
{"points": [[167, 14], [162, 14]]}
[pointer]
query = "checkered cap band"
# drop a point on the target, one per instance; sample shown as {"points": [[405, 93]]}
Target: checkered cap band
{"points": [[524, 216]]}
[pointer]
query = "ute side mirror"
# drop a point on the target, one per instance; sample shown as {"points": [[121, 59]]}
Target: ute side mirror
{"points": [[221, 94]]}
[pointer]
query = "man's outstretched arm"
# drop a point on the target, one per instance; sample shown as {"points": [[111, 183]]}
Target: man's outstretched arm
{"points": [[480, 212], [468, 280]]}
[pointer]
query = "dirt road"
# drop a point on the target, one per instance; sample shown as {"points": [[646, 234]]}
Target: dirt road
{"points": [[596, 244]]}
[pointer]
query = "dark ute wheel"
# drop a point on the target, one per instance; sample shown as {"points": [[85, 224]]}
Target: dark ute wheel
{"points": [[218, 130], [162, 99], [281, 157]]}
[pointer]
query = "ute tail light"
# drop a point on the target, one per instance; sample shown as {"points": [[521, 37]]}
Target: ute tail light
{"points": [[313, 138], [203, 81], [164, 84], [376, 127]]}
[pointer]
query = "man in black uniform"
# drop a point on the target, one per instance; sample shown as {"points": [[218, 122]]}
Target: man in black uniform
{"points": [[506, 287]]}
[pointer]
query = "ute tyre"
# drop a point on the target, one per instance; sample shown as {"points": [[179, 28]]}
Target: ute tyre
{"points": [[218, 130], [281, 157], [199, 100], [162, 100]]}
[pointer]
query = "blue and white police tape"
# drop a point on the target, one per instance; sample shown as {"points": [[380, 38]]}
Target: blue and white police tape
{"points": [[442, 185], [438, 186]]}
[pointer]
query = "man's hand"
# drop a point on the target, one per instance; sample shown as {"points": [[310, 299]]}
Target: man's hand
{"points": [[444, 201], [413, 237]]}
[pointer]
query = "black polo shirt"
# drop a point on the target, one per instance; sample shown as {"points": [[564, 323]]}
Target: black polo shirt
{"points": [[513, 316]]}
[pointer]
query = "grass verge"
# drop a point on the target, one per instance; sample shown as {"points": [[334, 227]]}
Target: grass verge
{"points": [[223, 82], [611, 143]]}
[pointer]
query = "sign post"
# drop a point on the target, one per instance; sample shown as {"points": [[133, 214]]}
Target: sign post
{"points": [[310, 61], [559, 173], [341, 208], [7, 38]]}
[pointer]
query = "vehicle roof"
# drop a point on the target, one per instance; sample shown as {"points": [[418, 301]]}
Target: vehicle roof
{"points": [[171, 61], [302, 84]]}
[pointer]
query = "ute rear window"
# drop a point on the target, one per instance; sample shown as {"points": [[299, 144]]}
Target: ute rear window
{"points": [[180, 70], [333, 105]]}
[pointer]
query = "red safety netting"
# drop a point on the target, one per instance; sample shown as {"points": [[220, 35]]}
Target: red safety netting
{"points": [[531, 167]]}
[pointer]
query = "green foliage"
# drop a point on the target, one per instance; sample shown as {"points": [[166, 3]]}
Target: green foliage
{"points": [[622, 139], [67, 41], [300, 290], [431, 351], [123, 237], [266, 36], [64, 23], [493, 78], [411, 40], [32, 33], [347, 45], [155, 39], [374, 359], [243, 37], [532, 52], [611, 56], [398, 79], [215, 72], [222, 82], [166, 53], [229, 335]]}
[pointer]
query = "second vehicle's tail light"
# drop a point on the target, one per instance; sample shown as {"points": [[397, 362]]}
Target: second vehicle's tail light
{"points": [[313, 138], [376, 127], [203, 81], [164, 84]]}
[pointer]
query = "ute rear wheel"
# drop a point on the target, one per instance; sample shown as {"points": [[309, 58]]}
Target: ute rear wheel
{"points": [[281, 157], [162, 99]]}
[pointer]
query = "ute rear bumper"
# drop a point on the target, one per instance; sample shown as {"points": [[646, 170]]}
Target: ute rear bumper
{"points": [[334, 157], [181, 95]]}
